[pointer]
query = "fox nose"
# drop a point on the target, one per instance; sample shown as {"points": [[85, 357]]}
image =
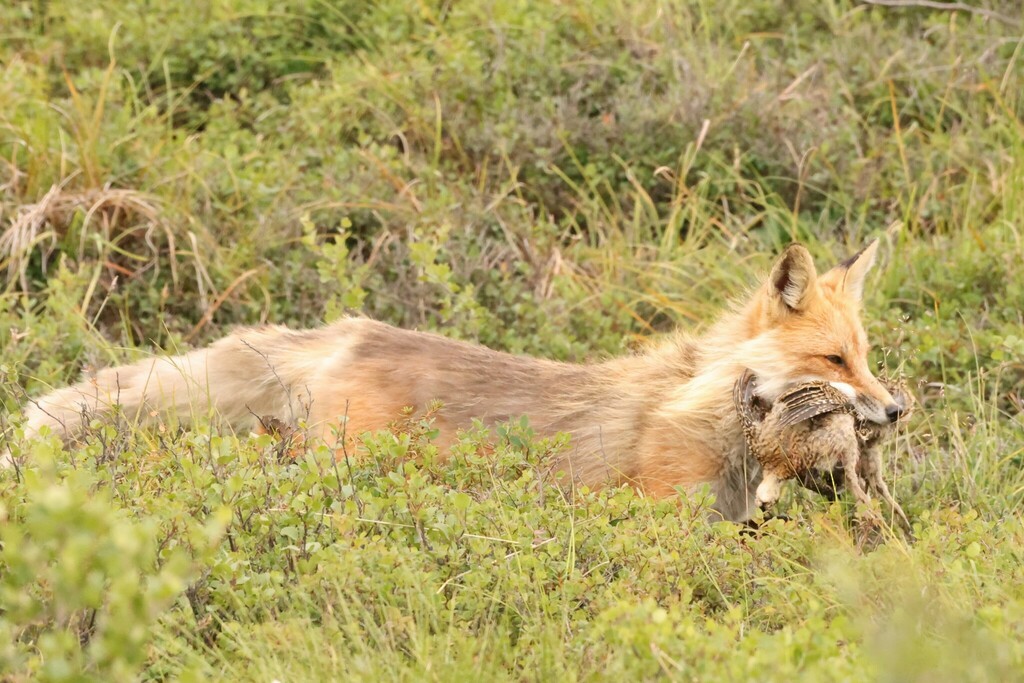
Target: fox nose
{"points": [[893, 412]]}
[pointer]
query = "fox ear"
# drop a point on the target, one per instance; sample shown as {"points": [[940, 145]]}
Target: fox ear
{"points": [[792, 282], [849, 275]]}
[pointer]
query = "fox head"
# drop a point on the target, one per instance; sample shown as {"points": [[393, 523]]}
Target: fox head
{"points": [[806, 327]]}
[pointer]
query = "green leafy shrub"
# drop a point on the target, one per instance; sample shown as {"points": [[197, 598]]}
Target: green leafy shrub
{"points": [[83, 581]]}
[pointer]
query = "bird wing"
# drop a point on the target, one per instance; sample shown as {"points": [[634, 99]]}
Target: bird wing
{"points": [[743, 397], [810, 400]]}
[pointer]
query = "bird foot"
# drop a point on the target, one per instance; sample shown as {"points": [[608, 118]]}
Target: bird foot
{"points": [[871, 465], [879, 487], [768, 491]]}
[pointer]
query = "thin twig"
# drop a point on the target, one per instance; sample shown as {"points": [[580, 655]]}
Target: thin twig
{"points": [[208, 315], [273, 370]]}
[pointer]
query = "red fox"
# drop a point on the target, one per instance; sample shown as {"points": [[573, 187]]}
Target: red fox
{"points": [[662, 420]]}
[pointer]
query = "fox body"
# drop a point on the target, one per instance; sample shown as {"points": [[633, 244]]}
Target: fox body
{"points": [[661, 420]]}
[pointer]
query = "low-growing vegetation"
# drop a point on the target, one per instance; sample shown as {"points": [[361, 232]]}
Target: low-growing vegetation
{"points": [[561, 179]]}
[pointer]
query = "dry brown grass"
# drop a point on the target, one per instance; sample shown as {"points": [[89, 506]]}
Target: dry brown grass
{"points": [[109, 213]]}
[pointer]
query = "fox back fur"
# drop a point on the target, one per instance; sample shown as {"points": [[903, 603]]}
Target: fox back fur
{"points": [[662, 420]]}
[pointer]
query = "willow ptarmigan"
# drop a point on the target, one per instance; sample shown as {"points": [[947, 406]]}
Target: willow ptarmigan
{"points": [[810, 430]]}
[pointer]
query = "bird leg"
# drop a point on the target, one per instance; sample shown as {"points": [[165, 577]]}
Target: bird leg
{"points": [[871, 463], [853, 483], [768, 491]]}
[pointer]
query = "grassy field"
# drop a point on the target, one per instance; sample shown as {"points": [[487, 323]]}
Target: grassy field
{"points": [[562, 179]]}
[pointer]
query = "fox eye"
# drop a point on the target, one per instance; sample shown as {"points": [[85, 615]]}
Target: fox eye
{"points": [[836, 360]]}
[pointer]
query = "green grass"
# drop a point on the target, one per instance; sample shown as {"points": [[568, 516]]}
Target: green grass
{"points": [[551, 178]]}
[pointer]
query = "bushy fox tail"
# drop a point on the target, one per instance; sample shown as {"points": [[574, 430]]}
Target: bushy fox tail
{"points": [[248, 375]]}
